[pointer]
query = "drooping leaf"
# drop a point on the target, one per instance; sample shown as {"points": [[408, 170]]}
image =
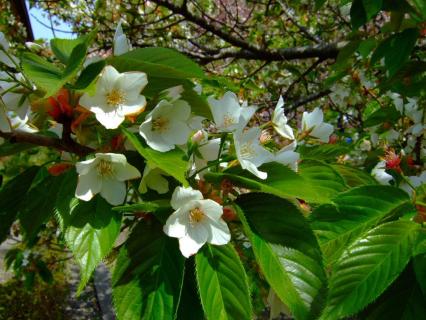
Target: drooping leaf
{"points": [[44, 74], [315, 182], [38, 206], [62, 48], [368, 266], [11, 194], [171, 162], [286, 251], [222, 283], [189, 295], [158, 62], [352, 213], [323, 152], [372, 7], [91, 233], [148, 275]]}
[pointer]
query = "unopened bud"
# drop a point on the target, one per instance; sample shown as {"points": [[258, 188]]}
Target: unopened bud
{"points": [[198, 136]]}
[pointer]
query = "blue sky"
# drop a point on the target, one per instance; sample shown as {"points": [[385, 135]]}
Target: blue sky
{"points": [[44, 31]]}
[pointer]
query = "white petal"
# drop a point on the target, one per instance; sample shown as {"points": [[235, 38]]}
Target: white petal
{"points": [[245, 116], [110, 120], [182, 196], [176, 225], [83, 167], [181, 110], [113, 191], [210, 150], [88, 185], [153, 139], [253, 169], [126, 172], [134, 106], [93, 103], [177, 133], [107, 80], [211, 208], [131, 83], [322, 132], [121, 45], [312, 119], [219, 233], [188, 246]]}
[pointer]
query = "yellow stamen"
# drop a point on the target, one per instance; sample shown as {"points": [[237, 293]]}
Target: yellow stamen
{"points": [[228, 120], [247, 150], [115, 98], [196, 215], [160, 124], [104, 168]]}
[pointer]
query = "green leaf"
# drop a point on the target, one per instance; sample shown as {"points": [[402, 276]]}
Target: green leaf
{"points": [[372, 7], [222, 283], [419, 263], [388, 114], [11, 195], [396, 49], [323, 151], [199, 105], [91, 233], [148, 275], [421, 7], [368, 266], [38, 206], [358, 14], [403, 300], [316, 182], [63, 48], [343, 58], [286, 251], [78, 55], [158, 62], [354, 212], [171, 162], [66, 201], [189, 295], [44, 74], [88, 75], [354, 177]]}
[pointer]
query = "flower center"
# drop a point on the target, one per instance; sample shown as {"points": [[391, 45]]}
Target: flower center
{"points": [[228, 120], [160, 124], [115, 97], [104, 168], [196, 215], [247, 150]]}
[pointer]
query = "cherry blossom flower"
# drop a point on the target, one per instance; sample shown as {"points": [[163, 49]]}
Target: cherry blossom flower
{"points": [[228, 114], [279, 121], [250, 152], [105, 174], [117, 95], [195, 221], [312, 122], [167, 125]]}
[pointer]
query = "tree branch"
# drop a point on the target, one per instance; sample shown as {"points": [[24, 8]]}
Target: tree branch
{"points": [[248, 51], [44, 141], [309, 98]]}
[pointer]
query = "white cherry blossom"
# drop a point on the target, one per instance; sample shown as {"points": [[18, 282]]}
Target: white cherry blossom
{"points": [[195, 221], [105, 174], [279, 121], [250, 152], [117, 95], [167, 125], [10, 95], [209, 151], [228, 114], [312, 122]]}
